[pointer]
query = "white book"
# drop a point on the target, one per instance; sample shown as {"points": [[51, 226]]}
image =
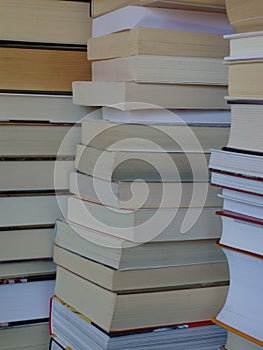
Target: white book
{"points": [[144, 225], [162, 69], [243, 203], [131, 95], [40, 107], [134, 16], [245, 46], [169, 116], [241, 232], [34, 174], [31, 210], [239, 163], [243, 308], [135, 194], [25, 301]]}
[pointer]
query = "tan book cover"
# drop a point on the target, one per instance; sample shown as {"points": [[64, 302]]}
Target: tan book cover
{"points": [[42, 69], [155, 41]]}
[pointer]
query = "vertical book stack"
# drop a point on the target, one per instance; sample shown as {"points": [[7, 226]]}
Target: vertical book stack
{"points": [[42, 50], [238, 169], [137, 263]]}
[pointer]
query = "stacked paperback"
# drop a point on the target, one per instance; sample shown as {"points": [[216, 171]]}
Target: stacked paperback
{"points": [[238, 169], [137, 263], [39, 60]]}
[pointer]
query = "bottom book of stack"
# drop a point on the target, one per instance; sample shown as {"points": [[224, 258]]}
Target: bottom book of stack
{"points": [[70, 329]]}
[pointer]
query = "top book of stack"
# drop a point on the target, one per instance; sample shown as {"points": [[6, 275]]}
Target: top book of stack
{"points": [[100, 7]]}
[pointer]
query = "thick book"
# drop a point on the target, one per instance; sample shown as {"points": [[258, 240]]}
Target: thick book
{"points": [[242, 231], [32, 336], [56, 22], [162, 69], [103, 134], [243, 203], [31, 174], [28, 69], [197, 336], [138, 194], [26, 244], [25, 299], [236, 341], [20, 210], [145, 225], [245, 46], [150, 166], [38, 139], [155, 41], [40, 108], [152, 116], [237, 182], [242, 311], [245, 16], [131, 95], [122, 255], [122, 312], [130, 17], [185, 274], [240, 72], [100, 7], [245, 133], [237, 162]]}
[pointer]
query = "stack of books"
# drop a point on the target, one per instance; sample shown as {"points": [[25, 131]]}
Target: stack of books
{"points": [[137, 263], [42, 50], [238, 169]]}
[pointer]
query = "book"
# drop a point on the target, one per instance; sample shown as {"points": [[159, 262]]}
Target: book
{"points": [[41, 108], [26, 268], [130, 17], [26, 244], [243, 203], [162, 69], [241, 231], [237, 162], [237, 182], [196, 336], [27, 69], [100, 7], [38, 139], [32, 303], [149, 166], [54, 22], [240, 72], [245, 46], [32, 174], [30, 209], [145, 225], [185, 274], [156, 41], [242, 311], [103, 134], [243, 16], [130, 95], [158, 116], [235, 341], [132, 195], [123, 312], [33, 336], [243, 135], [123, 255]]}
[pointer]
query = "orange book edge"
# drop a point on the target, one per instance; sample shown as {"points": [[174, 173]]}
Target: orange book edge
{"points": [[233, 330]]}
